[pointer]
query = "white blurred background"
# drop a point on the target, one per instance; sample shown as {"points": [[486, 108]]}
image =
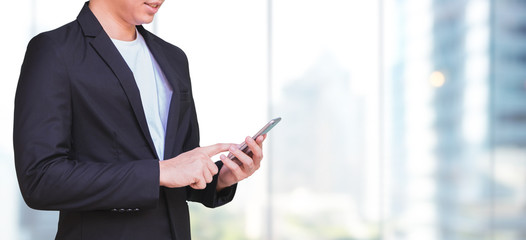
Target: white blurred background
{"points": [[402, 119]]}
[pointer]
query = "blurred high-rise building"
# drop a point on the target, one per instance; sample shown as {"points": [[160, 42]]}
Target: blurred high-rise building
{"points": [[509, 118], [456, 85]]}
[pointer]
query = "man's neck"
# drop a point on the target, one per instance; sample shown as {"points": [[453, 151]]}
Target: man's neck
{"points": [[115, 27]]}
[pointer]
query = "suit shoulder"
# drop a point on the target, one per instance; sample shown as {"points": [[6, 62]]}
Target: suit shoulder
{"points": [[60, 37], [60, 33]]}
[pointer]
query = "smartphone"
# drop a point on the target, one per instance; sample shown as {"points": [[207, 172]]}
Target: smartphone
{"points": [[265, 129]]}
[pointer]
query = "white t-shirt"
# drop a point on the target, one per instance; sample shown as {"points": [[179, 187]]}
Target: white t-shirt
{"points": [[155, 90]]}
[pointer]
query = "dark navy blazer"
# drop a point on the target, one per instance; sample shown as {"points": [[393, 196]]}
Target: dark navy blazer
{"points": [[82, 144]]}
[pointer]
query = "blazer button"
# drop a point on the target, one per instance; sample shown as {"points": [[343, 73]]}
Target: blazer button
{"points": [[114, 210], [137, 209], [122, 210]]}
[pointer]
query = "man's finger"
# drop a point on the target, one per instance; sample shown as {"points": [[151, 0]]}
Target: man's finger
{"points": [[257, 151], [212, 168], [233, 166], [215, 149], [208, 176], [245, 160], [198, 184]]}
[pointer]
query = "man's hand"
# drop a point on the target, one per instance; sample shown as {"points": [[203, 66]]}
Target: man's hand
{"points": [[232, 172], [193, 168]]}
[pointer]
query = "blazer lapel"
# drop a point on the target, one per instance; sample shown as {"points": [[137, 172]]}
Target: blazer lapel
{"points": [[172, 76], [109, 53]]}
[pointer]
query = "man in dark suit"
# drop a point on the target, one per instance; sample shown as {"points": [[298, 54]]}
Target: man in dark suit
{"points": [[100, 101]]}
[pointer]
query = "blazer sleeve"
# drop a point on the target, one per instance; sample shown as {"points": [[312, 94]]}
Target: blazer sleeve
{"points": [[48, 175]]}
